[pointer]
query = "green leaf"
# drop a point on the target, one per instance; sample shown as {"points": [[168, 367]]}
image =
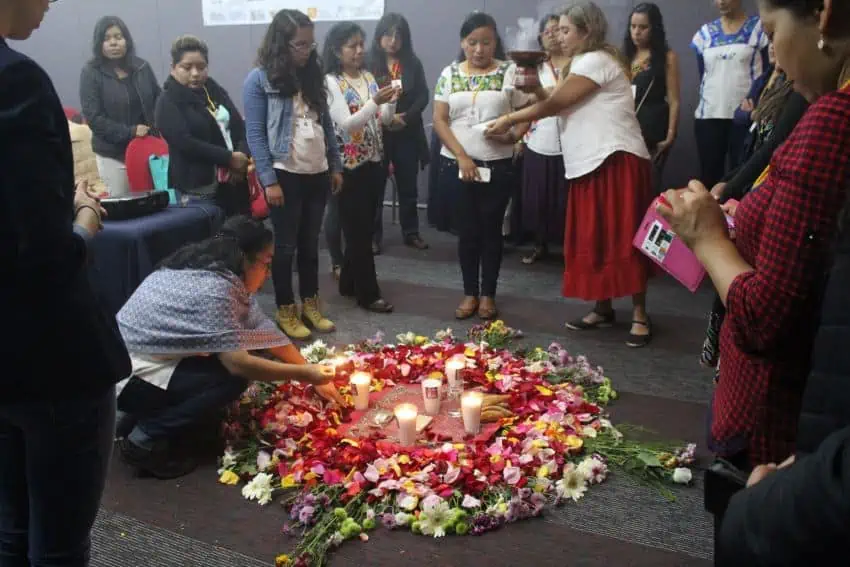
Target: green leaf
{"points": [[649, 459]]}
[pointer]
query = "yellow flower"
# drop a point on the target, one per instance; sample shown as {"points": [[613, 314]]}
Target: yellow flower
{"points": [[310, 476], [469, 352], [539, 444], [540, 426], [544, 390], [288, 481], [574, 442], [491, 376], [351, 442], [282, 561], [404, 459], [420, 340], [229, 477], [543, 472], [495, 458]]}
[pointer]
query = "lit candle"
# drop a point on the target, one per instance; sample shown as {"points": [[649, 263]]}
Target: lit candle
{"points": [[431, 395], [470, 405], [406, 415], [360, 382], [453, 368]]}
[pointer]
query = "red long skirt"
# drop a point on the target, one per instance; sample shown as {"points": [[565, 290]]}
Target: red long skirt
{"points": [[604, 210]]}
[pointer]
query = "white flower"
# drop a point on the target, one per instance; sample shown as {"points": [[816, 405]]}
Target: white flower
{"points": [[594, 470], [682, 475], [407, 502], [259, 489], [573, 485], [494, 364], [263, 461], [402, 518], [434, 516], [451, 475], [228, 460], [406, 338], [589, 432], [470, 502]]}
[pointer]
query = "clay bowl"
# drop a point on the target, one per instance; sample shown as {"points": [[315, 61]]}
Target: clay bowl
{"points": [[527, 58]]}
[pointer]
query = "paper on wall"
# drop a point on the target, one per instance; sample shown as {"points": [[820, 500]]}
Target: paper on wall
{"points": [[247, 12]]}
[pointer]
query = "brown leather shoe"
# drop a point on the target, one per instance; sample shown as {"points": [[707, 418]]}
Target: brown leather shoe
{"points": [[467, 308], [487, 309], [415, 241]]}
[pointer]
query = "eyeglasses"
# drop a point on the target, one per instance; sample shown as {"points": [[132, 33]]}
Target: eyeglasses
{"points": [[304, 46]]}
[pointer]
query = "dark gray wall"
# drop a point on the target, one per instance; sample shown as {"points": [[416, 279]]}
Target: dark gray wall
{"points": [[63, 43]]}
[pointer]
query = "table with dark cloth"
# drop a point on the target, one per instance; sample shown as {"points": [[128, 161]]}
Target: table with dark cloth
{"points": [[126, 251]]}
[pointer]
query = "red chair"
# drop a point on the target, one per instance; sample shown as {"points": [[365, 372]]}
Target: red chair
{"points": [[137, 161]]}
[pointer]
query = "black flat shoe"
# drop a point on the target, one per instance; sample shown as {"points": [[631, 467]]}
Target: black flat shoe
{"points": [[158, 463], [605, 321], [379, 306], [640, 341], [415, 241]]}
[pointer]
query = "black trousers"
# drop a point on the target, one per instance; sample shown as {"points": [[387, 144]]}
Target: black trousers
{"points": [[720, 144], [479, 213], [357, 205], [402, 151]]}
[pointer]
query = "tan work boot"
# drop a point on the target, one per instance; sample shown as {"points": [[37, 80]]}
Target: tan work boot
{"points": [[289, 322], [313, 316]]}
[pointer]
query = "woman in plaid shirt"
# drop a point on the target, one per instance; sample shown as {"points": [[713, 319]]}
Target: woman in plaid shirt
{"points": [[771, 277]]}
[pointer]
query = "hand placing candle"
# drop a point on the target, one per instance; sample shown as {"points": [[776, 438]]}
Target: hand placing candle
{"points": [[470, 405], [406, 415], [360, 383]]}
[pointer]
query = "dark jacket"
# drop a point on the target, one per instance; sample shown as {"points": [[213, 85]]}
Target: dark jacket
{"points": [[414, 98], [106, 104], [195, 142], [826, 401], [795, 516], [60, 343]]}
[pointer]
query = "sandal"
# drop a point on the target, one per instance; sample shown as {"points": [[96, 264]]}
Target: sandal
{"points": [[640, 341], [467, 308], [538, 253], [605, 321], [487, 309]]}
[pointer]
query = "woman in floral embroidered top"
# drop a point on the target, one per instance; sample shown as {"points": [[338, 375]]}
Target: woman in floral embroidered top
{"points": [[358, 107], [477, 171]]}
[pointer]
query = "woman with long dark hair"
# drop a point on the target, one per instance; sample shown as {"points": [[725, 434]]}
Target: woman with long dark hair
{"points": [[477, 170], [544, 187], [118, 92], [655, 80], [204, 131], [359, 108], [193, 329], [63, 354], [291, 137], [392, 60]]}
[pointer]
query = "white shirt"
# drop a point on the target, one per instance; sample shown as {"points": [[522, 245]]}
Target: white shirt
{"points": [[154, 370], [308, 152], [731, 64], [605, 122], [478, 100], [367, 117], [544, 137]]}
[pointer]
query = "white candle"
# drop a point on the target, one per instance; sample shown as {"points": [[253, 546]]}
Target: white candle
{"points": [[360, 382], [453, 368], [470, 405], [431, 395], [406, 415]]}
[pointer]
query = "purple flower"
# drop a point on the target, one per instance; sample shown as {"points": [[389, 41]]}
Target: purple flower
{"points": [[388, 520], [305, 516], [324, 501], [483, 523]]}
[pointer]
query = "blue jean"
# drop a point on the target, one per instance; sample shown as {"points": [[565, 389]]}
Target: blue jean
{"points": [[54, 456], [199, 387], [296, 234]]}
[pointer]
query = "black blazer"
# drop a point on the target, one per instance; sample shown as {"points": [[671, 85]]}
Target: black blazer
{"points": [[61, 343], [106, 107], [195, 142]]}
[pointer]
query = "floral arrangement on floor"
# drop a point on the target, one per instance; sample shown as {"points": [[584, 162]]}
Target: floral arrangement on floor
{"points": [[284, 442]]}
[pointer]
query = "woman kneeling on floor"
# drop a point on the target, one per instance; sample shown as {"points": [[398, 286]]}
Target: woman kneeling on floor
{"points": [[193, 329]]}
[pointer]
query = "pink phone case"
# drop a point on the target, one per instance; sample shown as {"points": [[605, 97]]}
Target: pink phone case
{"points": [[655, 240]]}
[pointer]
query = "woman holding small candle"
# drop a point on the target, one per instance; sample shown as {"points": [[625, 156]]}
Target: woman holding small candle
{"points": [[477, 169], [607, 163], [193, 329]]}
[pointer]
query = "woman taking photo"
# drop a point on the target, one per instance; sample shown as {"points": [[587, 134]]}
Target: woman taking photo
{"points": [[193, 328], [607, 164], [731, 53], [392, 59], [208, 152], [118, 93], [57, 388], [655, 78], [476, 170], [292, 140], [544, 187], [359, 107], [771, 277]]}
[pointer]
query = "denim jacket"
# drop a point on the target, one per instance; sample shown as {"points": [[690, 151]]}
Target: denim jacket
{"points": [[268, 124]]}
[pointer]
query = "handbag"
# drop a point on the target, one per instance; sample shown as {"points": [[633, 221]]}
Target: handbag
{"points": [[256, 191]]}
